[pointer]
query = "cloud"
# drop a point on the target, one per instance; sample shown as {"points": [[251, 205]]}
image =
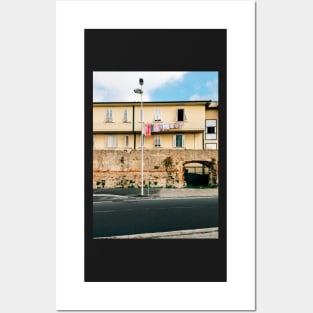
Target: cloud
{"points": [[212, 85], [119, 86], [210, 96], [210, 92]]}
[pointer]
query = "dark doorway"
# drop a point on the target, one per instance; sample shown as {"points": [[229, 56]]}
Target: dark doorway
{"points": [[196, 174]]}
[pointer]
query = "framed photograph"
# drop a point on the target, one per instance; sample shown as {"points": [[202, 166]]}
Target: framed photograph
{"points": [[177, 191], [147, 180]]}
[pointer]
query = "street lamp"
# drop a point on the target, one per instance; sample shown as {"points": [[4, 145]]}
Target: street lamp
{"points": [[139, 91]]}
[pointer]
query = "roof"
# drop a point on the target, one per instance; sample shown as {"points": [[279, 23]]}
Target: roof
{"points": [[208, 104]]}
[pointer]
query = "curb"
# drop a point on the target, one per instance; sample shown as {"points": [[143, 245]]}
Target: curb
{"points": [[202, 233], [108, 195]]}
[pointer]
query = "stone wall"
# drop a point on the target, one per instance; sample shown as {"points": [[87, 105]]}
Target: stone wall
{"points": [[121, 168]]}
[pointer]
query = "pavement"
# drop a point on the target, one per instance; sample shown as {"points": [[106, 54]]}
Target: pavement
{"points": [[122, 194], [130, 193]]}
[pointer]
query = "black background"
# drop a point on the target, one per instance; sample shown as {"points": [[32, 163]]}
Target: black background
{"points": [[180, 260]]}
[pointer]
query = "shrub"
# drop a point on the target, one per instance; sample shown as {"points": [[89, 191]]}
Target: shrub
{"points": [[168, 162]]}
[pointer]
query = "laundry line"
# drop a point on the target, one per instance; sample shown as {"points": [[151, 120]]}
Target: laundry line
{"points": [[159, 127]]}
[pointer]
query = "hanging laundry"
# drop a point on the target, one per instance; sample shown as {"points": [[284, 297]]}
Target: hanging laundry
{"points": [[166, 126], [147, 129], [156, 128], [172, 125]]}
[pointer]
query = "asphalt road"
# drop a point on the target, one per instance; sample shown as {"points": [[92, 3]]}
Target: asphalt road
{"points": [[126, 217]]}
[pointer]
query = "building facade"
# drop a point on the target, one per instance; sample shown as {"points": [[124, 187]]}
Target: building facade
{"points": [[166, 125], [170, 130]]}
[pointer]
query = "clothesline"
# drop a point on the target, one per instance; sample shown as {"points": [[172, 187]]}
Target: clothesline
{"points": [[157, 127]]}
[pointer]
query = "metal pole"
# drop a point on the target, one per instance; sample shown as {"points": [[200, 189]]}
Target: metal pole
{"points": [[141, 145], [148, 176]]}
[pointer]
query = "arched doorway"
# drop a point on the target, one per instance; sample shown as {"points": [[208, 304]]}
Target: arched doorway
{"points": [[198, 173]]}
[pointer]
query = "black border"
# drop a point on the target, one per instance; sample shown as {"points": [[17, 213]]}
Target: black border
{"points": [[174, 260]]}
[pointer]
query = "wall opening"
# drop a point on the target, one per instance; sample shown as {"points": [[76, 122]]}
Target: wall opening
{"points": [[197, 173]]}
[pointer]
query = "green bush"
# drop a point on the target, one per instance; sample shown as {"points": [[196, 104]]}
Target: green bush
{"points": [[168, 162]]}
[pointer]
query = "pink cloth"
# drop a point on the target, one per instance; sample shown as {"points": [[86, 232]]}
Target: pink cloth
{"points": [[148, 130]]}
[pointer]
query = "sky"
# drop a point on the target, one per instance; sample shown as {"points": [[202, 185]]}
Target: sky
{"points": [[158, 86]]}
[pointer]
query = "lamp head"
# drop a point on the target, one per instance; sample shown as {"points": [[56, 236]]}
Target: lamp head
{"points": [[140, 81], [138, 90]]}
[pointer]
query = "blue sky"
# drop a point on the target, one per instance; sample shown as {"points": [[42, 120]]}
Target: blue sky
{"points": [[158, 86]]}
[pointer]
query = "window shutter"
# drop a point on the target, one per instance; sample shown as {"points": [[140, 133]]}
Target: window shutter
{"points": [[109, 115], [174, 140], [160, 114], [183, 140], [125, 115]]}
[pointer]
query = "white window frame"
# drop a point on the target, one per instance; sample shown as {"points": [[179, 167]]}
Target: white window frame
{"points": [[157, 115], [109, 115], [112, 141], [210, 146], [125, 116], [127, 141], [157, 141], [142, 138], [175, 140], [211, 123]]}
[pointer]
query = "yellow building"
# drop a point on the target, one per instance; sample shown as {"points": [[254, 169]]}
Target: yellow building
{"points": [[191, 125]]}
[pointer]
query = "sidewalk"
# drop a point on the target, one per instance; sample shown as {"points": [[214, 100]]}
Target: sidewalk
{"points": [[188, 192], [202, 233], [126, 193]]}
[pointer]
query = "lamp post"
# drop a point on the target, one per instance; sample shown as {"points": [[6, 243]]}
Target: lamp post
{"points": [[139, 90]]}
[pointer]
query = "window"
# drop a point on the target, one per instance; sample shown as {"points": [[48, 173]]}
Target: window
{"points": [[210, 129], [157, 115], [112, 141], [210, 146], [142, 141], [127, 141], [125, 117], [157, 141], [109, 115], [181, 115], [178, 141]]}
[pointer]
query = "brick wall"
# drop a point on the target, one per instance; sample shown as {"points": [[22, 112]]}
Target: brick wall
{"points": [[123, 168]]}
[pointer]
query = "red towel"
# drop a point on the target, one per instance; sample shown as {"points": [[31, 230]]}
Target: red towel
{"points": [[148, 130]]}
